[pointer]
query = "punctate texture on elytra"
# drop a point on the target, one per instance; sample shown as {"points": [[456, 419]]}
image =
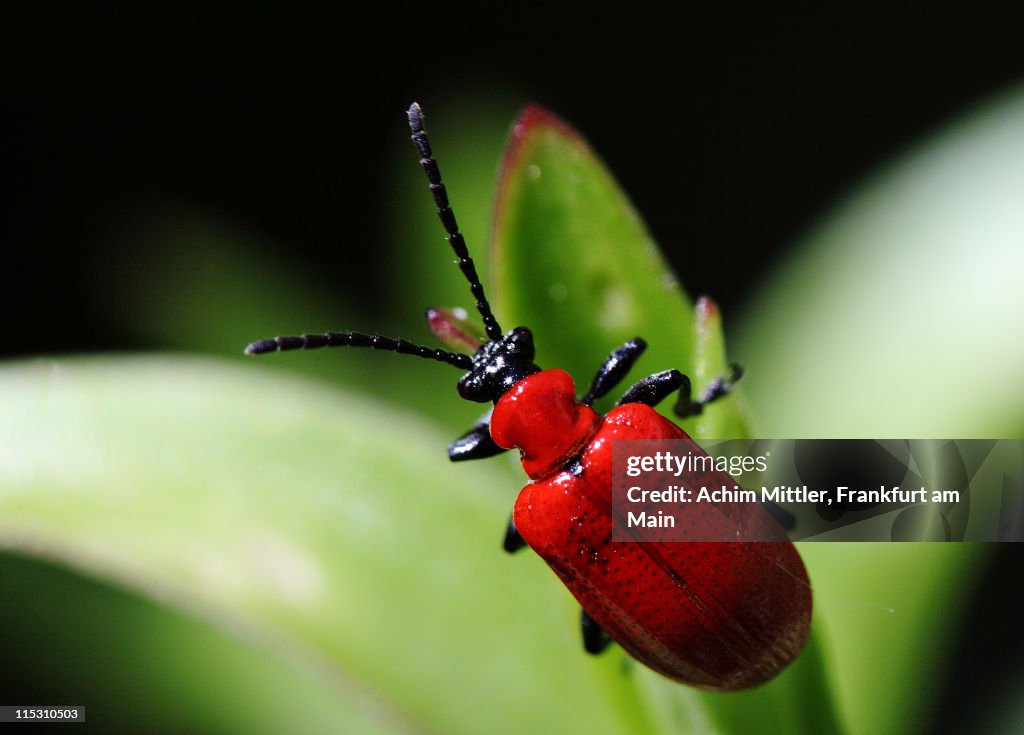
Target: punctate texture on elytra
{"points": [[722, 616]]}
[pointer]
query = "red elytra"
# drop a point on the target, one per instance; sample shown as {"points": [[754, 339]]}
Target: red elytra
{"points": [[720, 616]]}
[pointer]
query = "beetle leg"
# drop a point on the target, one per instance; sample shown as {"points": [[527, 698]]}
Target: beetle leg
{"points": [[595, 640], [654, 388], [475, 443], [614, 369], [720, 386], [513, 541]]}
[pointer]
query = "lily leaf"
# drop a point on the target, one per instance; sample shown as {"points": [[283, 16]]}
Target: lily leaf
{"points": [[894, 318], [574, 262], [317, 523], [572, 259]]}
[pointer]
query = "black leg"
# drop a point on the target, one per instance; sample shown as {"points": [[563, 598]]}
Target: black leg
{"points": [[720, 386], [475, 443], [654, 388], [614, 369], [513, 541], [595, 640]]}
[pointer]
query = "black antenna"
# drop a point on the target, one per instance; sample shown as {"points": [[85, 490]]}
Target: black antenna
{"points": [[444, 211], [357, 339]]}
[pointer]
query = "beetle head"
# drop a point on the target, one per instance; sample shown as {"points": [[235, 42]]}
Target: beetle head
{"points": [[498, 365]]}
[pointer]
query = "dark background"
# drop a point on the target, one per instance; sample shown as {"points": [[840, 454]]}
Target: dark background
{"points": [[737, 135], [734, 135]]}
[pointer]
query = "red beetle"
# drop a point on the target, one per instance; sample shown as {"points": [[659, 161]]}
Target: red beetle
{"points": [[722, 616]]}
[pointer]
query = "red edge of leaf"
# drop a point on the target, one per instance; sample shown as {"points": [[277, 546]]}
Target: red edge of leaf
{"points": [[530, 119]]}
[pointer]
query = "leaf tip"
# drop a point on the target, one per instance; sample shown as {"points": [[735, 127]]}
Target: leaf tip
{"points": [[532, 120], [707, 310], [534, 116]]}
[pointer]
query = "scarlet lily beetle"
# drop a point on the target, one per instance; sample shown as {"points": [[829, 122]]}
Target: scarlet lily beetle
{"points": [[720, 616]]}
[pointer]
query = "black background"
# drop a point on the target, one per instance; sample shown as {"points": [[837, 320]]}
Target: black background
{"points": [[279, 122], [733, 135]]}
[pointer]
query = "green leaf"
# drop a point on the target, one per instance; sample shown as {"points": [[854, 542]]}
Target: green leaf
{"points": [[900, 317], [318, 524], [140, 666], [572, 260]]}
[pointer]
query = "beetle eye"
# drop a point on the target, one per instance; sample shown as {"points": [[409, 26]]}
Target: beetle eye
{"points": [[521, 343]]}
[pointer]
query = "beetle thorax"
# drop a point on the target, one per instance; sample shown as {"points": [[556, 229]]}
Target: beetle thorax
{"points": [[541, 417]]}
